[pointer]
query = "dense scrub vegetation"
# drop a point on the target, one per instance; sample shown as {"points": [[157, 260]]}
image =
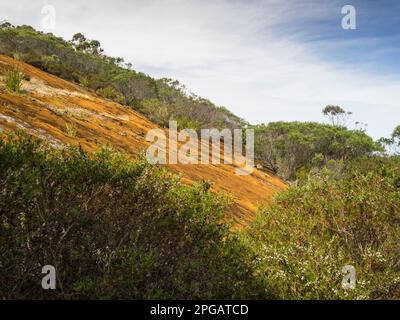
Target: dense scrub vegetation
{"points": [[82, 60], [112, 228], [333, 219], [293, 149]]}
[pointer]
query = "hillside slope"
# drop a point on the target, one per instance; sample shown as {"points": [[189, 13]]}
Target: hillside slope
{"points": [[49, 104]]}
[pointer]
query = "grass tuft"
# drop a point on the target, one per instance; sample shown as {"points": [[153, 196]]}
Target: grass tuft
{"points": [[14, 79]]}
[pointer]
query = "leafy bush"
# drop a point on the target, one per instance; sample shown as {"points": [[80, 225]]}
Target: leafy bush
{"points": [[110, 93], [13, 80], [70, 129], [292, 149], [392, 144], [311, 231], [112, 228]]}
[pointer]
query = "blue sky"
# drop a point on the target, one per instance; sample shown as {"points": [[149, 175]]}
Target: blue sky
{"points": [[265, 60], [374, 45]]}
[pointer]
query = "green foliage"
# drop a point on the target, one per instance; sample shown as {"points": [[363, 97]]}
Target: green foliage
{"points": [[292, 149], [71, 129], [336, 114], [5, 25], [80, 43], [392, 144], [83, 61], [396, 133], [112, 228], [311, 231], [110, 93], [134, 87], [156, 110], [84, 81], [14, 79]]}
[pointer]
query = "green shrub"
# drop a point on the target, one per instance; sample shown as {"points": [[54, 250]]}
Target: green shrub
{"points": [[311, 231], [70, 129], [112, 228], [293, 149], [13, 80], [84, 81], [108, 93]]}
